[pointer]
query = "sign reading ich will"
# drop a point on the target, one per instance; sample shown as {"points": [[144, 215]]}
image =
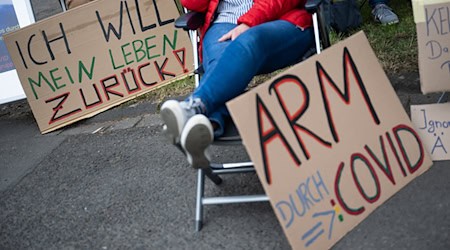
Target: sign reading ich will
{"points": [[84, 61], [330, 141]]}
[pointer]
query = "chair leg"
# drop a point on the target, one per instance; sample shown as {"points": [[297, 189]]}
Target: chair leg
{"points": [[212, 176], [199, 205]]}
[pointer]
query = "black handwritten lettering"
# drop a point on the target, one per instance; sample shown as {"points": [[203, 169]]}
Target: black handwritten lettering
{"points": [[124, 74], [141, 22], [267, 134], [92, 104], [158, 15], [349, 69], [59, 106], [21, 55], [107, 33], [360, 157], [161, 70], [406, 129], [141, 75], [48, 42], [107, 88], [294, 115], [386, 167], [30, 54]]}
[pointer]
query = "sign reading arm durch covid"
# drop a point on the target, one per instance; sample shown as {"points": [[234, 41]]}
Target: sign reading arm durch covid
{"points": [[330, 141]]}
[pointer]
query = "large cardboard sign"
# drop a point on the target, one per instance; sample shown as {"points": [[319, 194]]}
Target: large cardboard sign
{"points": [[330, 142], [13, 15], [86, 60], [433, 36], [432, 122]]}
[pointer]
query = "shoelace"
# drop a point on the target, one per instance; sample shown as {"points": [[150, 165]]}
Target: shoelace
{"points": [[195, 104]]}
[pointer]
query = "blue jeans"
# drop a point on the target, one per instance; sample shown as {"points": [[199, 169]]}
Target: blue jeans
{"points": [[372, 3], [231, 65]]}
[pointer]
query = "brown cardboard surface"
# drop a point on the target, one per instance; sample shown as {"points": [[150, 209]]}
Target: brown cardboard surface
{"points": [[84, 61], [330, 142], [432, 122], [433, 36]]}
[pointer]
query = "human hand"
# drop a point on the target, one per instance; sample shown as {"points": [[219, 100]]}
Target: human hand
{"points": [[234, 33]]}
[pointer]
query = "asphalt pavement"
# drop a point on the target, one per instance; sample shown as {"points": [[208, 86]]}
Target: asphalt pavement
{"points": [[113, 182]]}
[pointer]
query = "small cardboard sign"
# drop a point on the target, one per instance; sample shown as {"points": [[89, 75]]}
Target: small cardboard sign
{"points": [[432, 122], [330, 142], [84, 61], [433, 36]]}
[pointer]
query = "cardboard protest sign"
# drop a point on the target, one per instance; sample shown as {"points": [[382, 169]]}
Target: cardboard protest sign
{"points": [[432, 122], [84, 61], [330, 142], [432, 18]]}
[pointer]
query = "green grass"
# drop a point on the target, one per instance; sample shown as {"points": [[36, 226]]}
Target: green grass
{"points": [[395, 46]]}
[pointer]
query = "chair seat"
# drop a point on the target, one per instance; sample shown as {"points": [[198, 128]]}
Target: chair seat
{"points": [[230, 136]]}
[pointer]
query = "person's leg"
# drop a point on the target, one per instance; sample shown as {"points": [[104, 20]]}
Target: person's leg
{"points": [[263, 59], [261, 49], [211, 47], [382, 12], [212, 51], [176, 114]]}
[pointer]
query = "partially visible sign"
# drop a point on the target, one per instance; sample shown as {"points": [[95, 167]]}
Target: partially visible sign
{"points": [[432, 122], [433, 36], [86, 60], [330, 141], [13, 15]]}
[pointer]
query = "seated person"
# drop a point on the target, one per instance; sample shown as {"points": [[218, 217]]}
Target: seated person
{"points": [[239, 39], [382, 12]]}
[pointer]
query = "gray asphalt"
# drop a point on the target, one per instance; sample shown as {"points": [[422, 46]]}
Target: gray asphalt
{"points": [[124, 187]]}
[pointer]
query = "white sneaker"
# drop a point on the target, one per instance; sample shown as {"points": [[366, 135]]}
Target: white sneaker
{"points": [[175, 115], [196, 137]]}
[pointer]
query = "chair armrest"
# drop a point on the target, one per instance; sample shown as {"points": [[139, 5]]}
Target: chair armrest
{"points": [[190, 21], [312, 6]]}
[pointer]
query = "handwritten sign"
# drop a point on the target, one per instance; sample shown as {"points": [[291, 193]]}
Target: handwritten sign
{"points": [[330, 142], [433, 35], [84, 61], [432, 122]]}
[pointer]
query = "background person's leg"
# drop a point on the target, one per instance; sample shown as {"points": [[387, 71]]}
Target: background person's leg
{"points": [[372, 3]]}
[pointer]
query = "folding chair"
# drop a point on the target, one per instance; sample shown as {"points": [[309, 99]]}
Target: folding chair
{"points": [[191, 21]]}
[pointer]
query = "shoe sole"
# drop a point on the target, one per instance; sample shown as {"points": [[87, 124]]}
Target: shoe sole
{"points": [[169, 113], [195, 139]]}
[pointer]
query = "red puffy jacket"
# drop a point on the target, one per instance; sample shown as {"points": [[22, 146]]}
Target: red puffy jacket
{"points": [[262, 11]]}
